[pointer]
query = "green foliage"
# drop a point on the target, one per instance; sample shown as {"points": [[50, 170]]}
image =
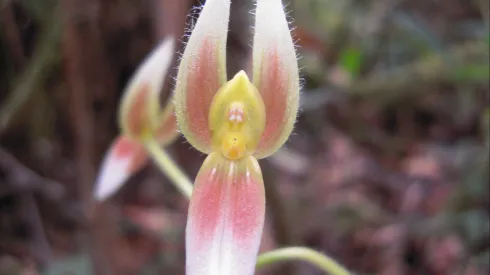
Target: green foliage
{"points": [[351, 60], [472, 72]]}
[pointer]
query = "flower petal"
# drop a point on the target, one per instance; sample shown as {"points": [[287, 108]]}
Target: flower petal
{"points": [[138, 114], [201, 73], [167, 130], [275, 74], [123, 158], [226, 217]]}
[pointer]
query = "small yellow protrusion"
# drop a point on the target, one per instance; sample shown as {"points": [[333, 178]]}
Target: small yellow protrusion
{"points": [[236, 118], [233, 145]]}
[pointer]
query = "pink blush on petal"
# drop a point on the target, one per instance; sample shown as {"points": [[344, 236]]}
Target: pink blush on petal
{"points": [[202, 85], [206, 205], [274, 91], [247, 208], [226, 217], [125, 148]]}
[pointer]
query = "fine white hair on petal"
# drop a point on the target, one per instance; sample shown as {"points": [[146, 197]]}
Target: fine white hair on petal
{"points": [[212, 23], [215, 16], [275, 74], [201, 72], [272, 31], [271, 25]]}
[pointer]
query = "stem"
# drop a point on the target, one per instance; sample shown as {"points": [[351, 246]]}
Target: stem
{"points": [[168, 166], [304, 254], [276, 206]]}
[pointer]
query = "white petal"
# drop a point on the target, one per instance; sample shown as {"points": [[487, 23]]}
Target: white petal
{"points": [[153, 70], [275, 74], [140, 106], [123, 158], [226, 218], [202, 71]]}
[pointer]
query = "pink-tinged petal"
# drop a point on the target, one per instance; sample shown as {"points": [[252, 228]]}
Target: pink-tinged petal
{"points": [[167, 130], [138, 114], [136, 117], [226, 217], [123, 158], [202, 71], [275, 74]]}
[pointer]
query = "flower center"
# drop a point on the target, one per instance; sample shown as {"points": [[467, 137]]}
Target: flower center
{"points": [[236, 118], [233, 144]]}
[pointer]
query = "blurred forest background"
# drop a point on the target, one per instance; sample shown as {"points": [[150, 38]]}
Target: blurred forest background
{"points": [[387, 169]]}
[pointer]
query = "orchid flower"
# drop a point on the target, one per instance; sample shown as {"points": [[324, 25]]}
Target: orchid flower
{"points": [[140, 118], [235, 122]]}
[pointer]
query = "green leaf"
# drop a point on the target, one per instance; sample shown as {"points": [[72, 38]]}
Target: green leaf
{"points": [[351, 61], [472, 72]]}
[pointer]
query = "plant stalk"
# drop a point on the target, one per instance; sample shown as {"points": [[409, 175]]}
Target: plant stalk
{"points": [[303, 254], [168, 166]]}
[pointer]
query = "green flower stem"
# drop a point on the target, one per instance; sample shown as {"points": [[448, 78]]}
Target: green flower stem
{"points": [[168, 166], [304, 254]]}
